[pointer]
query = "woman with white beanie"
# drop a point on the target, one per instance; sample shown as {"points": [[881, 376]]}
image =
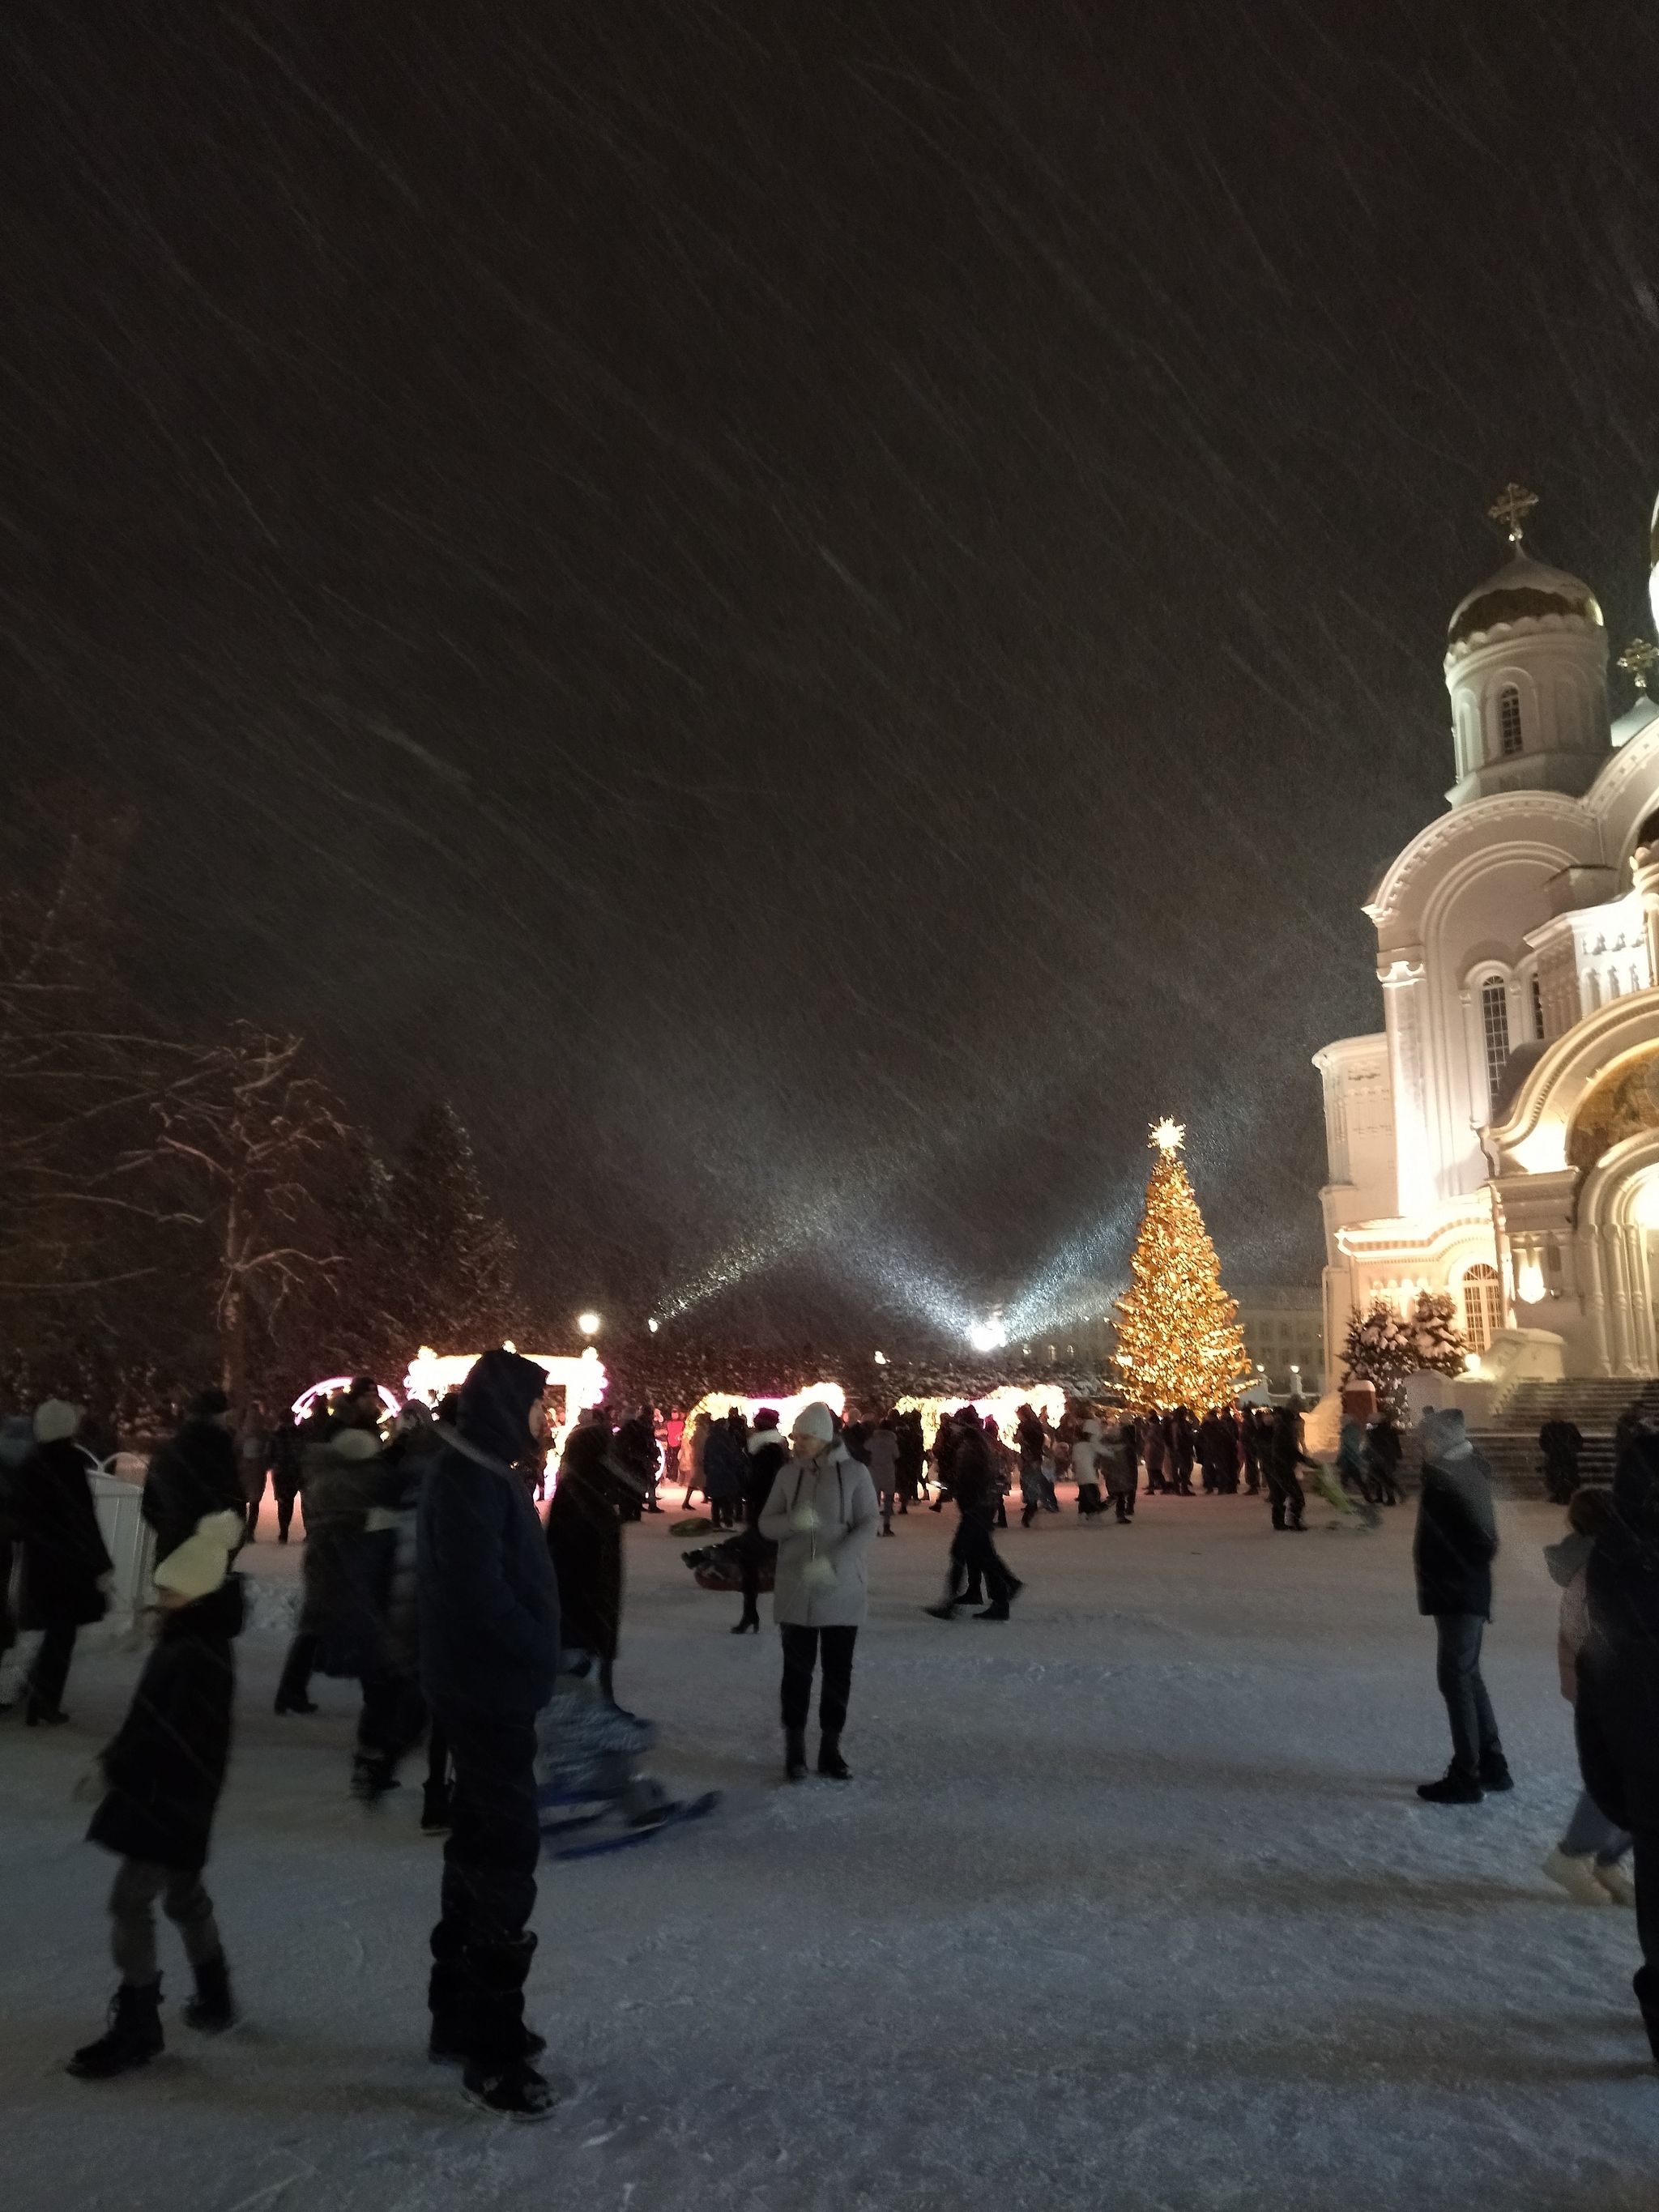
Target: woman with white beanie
{"points": [[163, 1772], [822, 1516]]}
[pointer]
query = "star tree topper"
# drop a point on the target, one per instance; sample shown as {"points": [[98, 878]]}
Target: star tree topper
{"points": [[1168, 1136]]}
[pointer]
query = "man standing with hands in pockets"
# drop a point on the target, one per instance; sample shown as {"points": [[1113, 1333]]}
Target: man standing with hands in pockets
{"points": [[822, 1516]]}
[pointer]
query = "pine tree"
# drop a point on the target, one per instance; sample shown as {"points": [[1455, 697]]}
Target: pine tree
{"points": [[1437, 1338], [1178, 1338], [455, 1253], [1381, 1349]]}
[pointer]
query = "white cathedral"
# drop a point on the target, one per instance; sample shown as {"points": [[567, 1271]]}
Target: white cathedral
{"points": [[1499, 1139]]}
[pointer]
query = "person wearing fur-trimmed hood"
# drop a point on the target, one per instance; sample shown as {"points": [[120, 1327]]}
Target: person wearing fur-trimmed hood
{"points": [[821, 1515], [164, 1770]]}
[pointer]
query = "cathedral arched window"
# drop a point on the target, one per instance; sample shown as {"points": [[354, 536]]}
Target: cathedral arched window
{"points": [[1537, 1009], [1495, 1030], [1509, 720], [1483, 1306]]}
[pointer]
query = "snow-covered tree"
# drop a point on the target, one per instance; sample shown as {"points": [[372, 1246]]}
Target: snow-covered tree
{"points": [[454, 1251], [1439, 1342], [1381, 1349]]}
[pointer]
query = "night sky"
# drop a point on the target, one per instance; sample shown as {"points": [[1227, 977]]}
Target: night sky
{"points": [[816, 612]]}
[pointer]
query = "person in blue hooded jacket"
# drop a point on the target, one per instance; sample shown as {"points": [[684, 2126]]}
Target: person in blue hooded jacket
{"points": [[489, 1651]]}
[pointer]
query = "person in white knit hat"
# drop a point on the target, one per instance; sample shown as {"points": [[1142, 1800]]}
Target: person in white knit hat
{"points": [[164, 1772], [822, 1516]]}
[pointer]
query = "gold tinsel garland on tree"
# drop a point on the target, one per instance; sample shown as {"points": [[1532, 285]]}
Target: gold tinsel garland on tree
{"points": [[1178, 1339]]}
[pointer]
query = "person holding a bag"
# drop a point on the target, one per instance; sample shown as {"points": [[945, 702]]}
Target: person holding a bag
{"points": [[822, 1516]]}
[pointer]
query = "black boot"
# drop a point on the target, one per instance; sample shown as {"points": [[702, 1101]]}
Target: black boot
{"points": [[434, 1810], [1452, 1789], [1647, 1996], [794, 1754], [749, 1621], [211, 2010], [372, 1777], [997, 1611], [1495, 1771], [830, 1761], [133, 2039]]}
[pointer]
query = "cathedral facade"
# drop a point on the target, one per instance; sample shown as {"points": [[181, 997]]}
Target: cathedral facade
{"points": [[1500, 1138]]}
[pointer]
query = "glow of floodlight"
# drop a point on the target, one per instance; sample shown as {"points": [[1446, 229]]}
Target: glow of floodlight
{"points": [[588, 1324], [986, 1336]]}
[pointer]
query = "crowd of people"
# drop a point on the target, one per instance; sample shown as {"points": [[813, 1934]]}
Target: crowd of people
{"points": [[430, 1579]]}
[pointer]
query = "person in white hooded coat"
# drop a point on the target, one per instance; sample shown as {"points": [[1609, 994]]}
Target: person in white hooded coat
{"points": [[822, 1516]]}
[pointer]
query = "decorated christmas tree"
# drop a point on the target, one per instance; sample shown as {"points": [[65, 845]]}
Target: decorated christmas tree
{"points": [[1177, 1332]]}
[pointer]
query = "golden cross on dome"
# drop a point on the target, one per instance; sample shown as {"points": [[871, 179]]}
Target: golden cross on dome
{"points": [[1512, 508], [1637, 660], [1168, 1136]]}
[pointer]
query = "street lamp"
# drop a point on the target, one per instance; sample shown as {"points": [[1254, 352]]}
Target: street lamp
{"points": [[588, 1324], [652, 1326], [986, 1336]]}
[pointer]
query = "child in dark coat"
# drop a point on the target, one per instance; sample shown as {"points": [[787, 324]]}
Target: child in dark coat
{"points": [[164, 1769]]}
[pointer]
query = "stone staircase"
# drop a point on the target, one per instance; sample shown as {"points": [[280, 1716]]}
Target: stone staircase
{"points": [[1594, 1403]]}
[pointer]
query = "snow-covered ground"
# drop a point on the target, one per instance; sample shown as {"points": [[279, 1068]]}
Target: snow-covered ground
{"points": [[1130, 1904]]}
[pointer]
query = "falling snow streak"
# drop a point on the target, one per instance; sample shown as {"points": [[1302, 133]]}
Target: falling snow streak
{"points": [[810, 613]]}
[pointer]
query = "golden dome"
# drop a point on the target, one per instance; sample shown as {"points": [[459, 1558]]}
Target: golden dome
{"points": [[1524, 591]]}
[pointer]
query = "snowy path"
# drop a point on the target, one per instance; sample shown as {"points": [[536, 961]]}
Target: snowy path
{"points": [[1130, 1905]]}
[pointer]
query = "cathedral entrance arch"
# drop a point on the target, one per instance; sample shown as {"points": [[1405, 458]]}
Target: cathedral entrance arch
{"points": [[1618, 1248]]}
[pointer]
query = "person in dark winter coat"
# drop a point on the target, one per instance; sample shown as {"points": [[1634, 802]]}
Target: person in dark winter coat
{"points": [[1456, 1544], [1385, 1448], [65, 1564], [767, 1453], [285, 1469], [253, 1464], [1285, 1455], [1560, 1441], [16, 1445], [343, 1478], [973, 1554], [1154, 1454], [194, 1473], [597, 1490], [489, 1653], [725, 1468], [912, 1460], [1617, 1714], [164, 1770]]}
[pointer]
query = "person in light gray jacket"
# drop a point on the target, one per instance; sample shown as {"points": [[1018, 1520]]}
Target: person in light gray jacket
{"points": [[822, 1516]]}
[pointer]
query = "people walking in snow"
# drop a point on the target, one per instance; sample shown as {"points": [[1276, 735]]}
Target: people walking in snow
{"points": [[1561, 1441], [1588, 1860], [973, 1559], [65, 1567], [1087, 1453], [1617, 1713], [597, 1492], [489, 1655], [822, 1516], [693, 1451], [1152, 1446], [1456, 1544], [1285, 1455], [1385, 1450], [254, 1464], [1116, 1459], [286, 1447], [912, 1460], [767, 1453], [725, 1465], [343, 1475], [881, 1456], [164, 1770]]}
